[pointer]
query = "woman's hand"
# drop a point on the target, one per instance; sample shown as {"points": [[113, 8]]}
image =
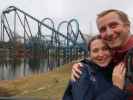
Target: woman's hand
{"points": [[118, 75]]}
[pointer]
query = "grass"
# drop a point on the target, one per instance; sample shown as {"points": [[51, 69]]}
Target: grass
{"points": [[48, 86]]}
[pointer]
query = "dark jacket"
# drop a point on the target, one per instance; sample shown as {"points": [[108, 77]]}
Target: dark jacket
{"points": [[93, 85]]}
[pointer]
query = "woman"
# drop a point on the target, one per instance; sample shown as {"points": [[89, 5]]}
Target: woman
{"points": [[99, 79]]}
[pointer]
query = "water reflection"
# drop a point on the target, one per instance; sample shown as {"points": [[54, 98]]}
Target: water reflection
{"points": [[16, 68]]}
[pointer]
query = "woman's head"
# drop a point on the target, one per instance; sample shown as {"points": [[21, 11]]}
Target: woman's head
{"points": [[99, 51]]}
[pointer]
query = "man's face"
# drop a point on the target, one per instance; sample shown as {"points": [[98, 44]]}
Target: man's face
{"points": [[113, 30]]}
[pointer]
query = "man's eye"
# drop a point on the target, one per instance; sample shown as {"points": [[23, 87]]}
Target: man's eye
{"points": [[114, 25], [102, 30]]}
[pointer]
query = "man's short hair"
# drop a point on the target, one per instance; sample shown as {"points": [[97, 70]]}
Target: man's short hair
{"points": [[123, 16]]}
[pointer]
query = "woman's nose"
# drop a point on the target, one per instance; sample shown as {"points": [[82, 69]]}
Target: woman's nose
{"points": [[101, 53]]}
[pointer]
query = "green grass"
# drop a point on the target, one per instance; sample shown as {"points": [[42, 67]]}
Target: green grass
{"points": [[49, 86]]}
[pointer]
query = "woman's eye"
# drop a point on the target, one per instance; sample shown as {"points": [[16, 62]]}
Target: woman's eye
{"points": [[104, 48], [95, 50]]}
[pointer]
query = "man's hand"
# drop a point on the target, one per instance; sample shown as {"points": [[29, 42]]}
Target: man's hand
{"points": [[118, 75], [76, 72]]}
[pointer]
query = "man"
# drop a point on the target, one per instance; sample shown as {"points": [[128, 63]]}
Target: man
{"points": [[114, 28]]}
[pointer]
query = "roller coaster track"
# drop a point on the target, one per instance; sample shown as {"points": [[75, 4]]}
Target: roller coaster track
{"points": [[41, 38]]}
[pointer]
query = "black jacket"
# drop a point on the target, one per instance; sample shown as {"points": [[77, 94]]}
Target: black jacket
{"points": [[93, 85]]}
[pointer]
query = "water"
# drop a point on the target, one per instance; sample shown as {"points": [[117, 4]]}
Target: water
{"points": [[14, 69]]}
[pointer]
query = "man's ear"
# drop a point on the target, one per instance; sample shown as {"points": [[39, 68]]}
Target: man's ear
{"points": [[128, 27]]}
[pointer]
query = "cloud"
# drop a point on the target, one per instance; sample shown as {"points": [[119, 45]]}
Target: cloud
{"points": [[83, 10]]}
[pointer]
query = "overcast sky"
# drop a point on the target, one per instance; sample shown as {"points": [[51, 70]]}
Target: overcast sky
{"points": [[84, 11]]}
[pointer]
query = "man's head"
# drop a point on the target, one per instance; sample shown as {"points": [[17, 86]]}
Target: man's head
{"points": [[114, 27]]}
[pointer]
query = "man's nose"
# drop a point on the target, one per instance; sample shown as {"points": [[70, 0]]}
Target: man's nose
{"points": [[109, 31]]}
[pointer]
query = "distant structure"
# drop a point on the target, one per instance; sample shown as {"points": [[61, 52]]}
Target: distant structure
{"points": [[28, 38]]}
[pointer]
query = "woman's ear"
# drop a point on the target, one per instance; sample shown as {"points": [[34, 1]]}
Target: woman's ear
{"points": [[89, 55]]}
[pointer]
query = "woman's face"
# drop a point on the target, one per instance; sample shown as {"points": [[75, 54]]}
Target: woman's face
{"points": [[100, 53]]}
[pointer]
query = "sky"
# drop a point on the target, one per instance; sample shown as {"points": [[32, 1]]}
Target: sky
{"points": [[85, 11]]}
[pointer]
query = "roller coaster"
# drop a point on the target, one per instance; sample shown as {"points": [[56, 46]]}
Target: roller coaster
{"points": [[23, 35]]}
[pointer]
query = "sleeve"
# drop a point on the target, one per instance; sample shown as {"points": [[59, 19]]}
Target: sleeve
{"points": [[83, 88], [77, 90], [114, 93], [68, 92]]}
